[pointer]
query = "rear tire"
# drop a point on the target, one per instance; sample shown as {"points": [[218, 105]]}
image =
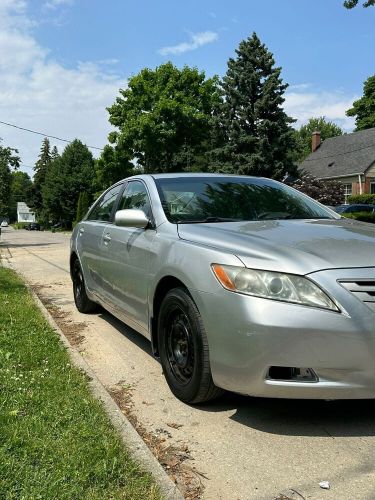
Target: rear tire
{"points": [[183, 349], [82, 302]]}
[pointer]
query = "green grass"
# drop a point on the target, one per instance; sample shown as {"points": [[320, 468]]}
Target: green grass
{"points": [[55, 438]]}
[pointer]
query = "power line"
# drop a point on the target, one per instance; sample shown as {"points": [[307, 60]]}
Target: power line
{"points": [[44, 135]]}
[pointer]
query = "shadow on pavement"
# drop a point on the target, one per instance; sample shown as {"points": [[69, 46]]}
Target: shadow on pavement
{"points": [[290, 417], [293, 417], [135, 337]]}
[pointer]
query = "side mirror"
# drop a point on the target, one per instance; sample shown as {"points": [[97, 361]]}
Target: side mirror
{"points": [[131, 218]]}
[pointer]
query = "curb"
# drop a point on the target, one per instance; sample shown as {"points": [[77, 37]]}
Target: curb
{"points": [[130, 437]]}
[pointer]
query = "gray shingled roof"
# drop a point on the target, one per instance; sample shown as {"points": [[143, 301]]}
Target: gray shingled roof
{"points": [[344, 155]]}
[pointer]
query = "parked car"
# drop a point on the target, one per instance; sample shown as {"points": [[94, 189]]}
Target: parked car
{"points": [[355, 207], [4, 223], [240, 283], [33, 226]]}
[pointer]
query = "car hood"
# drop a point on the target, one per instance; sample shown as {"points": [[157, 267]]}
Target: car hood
{"points": [[294, 246]]}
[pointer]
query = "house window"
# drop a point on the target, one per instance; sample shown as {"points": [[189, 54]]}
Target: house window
{"points": [[372, 187], [348, 189]]}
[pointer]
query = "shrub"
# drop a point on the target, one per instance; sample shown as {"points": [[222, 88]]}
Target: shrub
{"points": [[326, 192], [368, 199], [361, 216], [20, 225]]}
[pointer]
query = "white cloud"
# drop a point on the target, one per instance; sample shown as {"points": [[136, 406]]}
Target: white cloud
{"points": [[196, 40], [303, 102], [54, 4], [38, 93]]}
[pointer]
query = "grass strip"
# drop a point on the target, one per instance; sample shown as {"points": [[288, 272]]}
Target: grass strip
{"points": [[55, 439]]}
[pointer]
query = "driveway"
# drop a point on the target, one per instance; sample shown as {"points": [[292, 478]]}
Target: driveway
{"points": [[233, 448]]}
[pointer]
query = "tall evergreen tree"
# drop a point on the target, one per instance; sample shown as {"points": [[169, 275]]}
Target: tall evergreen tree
{"points": [[54, 153], [364, 108], [70, 174], [82, 206], [42, 166], [257, 133]]}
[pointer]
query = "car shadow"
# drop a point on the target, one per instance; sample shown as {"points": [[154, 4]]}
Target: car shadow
{"points": [[289, 417], [298, 417], [135, 337]]}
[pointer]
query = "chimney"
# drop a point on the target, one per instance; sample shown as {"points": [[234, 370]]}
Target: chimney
{"points": [[315, 140]]}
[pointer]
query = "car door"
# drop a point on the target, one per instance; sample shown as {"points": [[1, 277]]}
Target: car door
{"points": [[128, 257], [90, 242]]}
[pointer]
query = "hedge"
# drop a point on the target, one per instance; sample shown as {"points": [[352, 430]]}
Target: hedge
{"points": [[368, 199], [361, 216]]}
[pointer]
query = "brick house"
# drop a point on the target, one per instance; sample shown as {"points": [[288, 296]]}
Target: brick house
{"points": [[349, 158]]}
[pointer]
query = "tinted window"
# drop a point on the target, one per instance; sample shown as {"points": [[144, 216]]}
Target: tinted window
{"points": [[135, 196], [103, 210], [198, 199]]}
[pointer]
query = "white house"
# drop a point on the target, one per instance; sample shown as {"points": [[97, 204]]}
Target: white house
{"points": [[24, 213]]}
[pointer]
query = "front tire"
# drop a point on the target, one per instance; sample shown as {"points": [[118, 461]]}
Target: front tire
{"points": [[82, 302], [183, 349]]}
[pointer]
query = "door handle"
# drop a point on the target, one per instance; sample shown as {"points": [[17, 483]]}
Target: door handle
{"points": [[107, 238], [81, 230]]}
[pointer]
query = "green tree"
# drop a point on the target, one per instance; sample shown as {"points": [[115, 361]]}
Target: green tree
{"points": [[54, 153], [69, 175], [364, 108], [82, 206], [350, 4], [255, 132], [113, 165], [9, 160], [163, 114], [20, 190], [303, 135], [42, 166]]}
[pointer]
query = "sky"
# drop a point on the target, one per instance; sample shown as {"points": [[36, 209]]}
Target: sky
{"points": [[62, 62]]}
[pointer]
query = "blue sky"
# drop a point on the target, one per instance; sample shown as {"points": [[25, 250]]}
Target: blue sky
{"points": [[63, 61]]}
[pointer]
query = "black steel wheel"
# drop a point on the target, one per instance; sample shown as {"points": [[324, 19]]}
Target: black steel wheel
{"points": [[82, 302], [183, 349]]}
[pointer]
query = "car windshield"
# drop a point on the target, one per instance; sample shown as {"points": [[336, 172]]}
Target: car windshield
{"points": [[222, 199]]}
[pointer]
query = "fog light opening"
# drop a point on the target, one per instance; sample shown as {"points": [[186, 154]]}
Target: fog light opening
{"points": [[292, 374]]}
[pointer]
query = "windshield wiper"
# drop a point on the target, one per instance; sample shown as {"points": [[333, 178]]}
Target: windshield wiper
{"points": [[207, 220]]}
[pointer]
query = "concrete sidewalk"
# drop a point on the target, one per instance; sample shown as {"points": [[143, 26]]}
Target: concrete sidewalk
{"points": [[234, 448]]}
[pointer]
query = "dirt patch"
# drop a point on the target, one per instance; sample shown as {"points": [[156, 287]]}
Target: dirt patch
{"points": [[173, 458], [71, 329]]}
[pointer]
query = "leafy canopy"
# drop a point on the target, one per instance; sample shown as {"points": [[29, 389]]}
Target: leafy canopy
{"points": [[350, 4], [20, 189], [164, 118], [255, 131], [9, 160], [364, 108], [326, 128]]}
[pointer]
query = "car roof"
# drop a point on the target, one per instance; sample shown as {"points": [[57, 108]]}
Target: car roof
{"points": [[177, 175]]}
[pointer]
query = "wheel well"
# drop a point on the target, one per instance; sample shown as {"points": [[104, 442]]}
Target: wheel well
{"points": [[165, 284], [73, 258]]}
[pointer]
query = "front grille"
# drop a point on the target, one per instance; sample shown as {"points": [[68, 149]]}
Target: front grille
{"points": [[363, 289]]}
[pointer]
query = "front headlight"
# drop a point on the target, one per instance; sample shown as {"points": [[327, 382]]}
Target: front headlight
{"points": [[271, 285]]}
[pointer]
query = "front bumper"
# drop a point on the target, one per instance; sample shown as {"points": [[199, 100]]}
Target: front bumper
{"points": [[248, 335]]}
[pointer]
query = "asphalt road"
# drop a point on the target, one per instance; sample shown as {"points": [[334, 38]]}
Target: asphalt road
{"points": [[242, 447]]}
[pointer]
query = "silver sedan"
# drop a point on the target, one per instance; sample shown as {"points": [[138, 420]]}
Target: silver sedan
{"points": [[240, 283]]}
